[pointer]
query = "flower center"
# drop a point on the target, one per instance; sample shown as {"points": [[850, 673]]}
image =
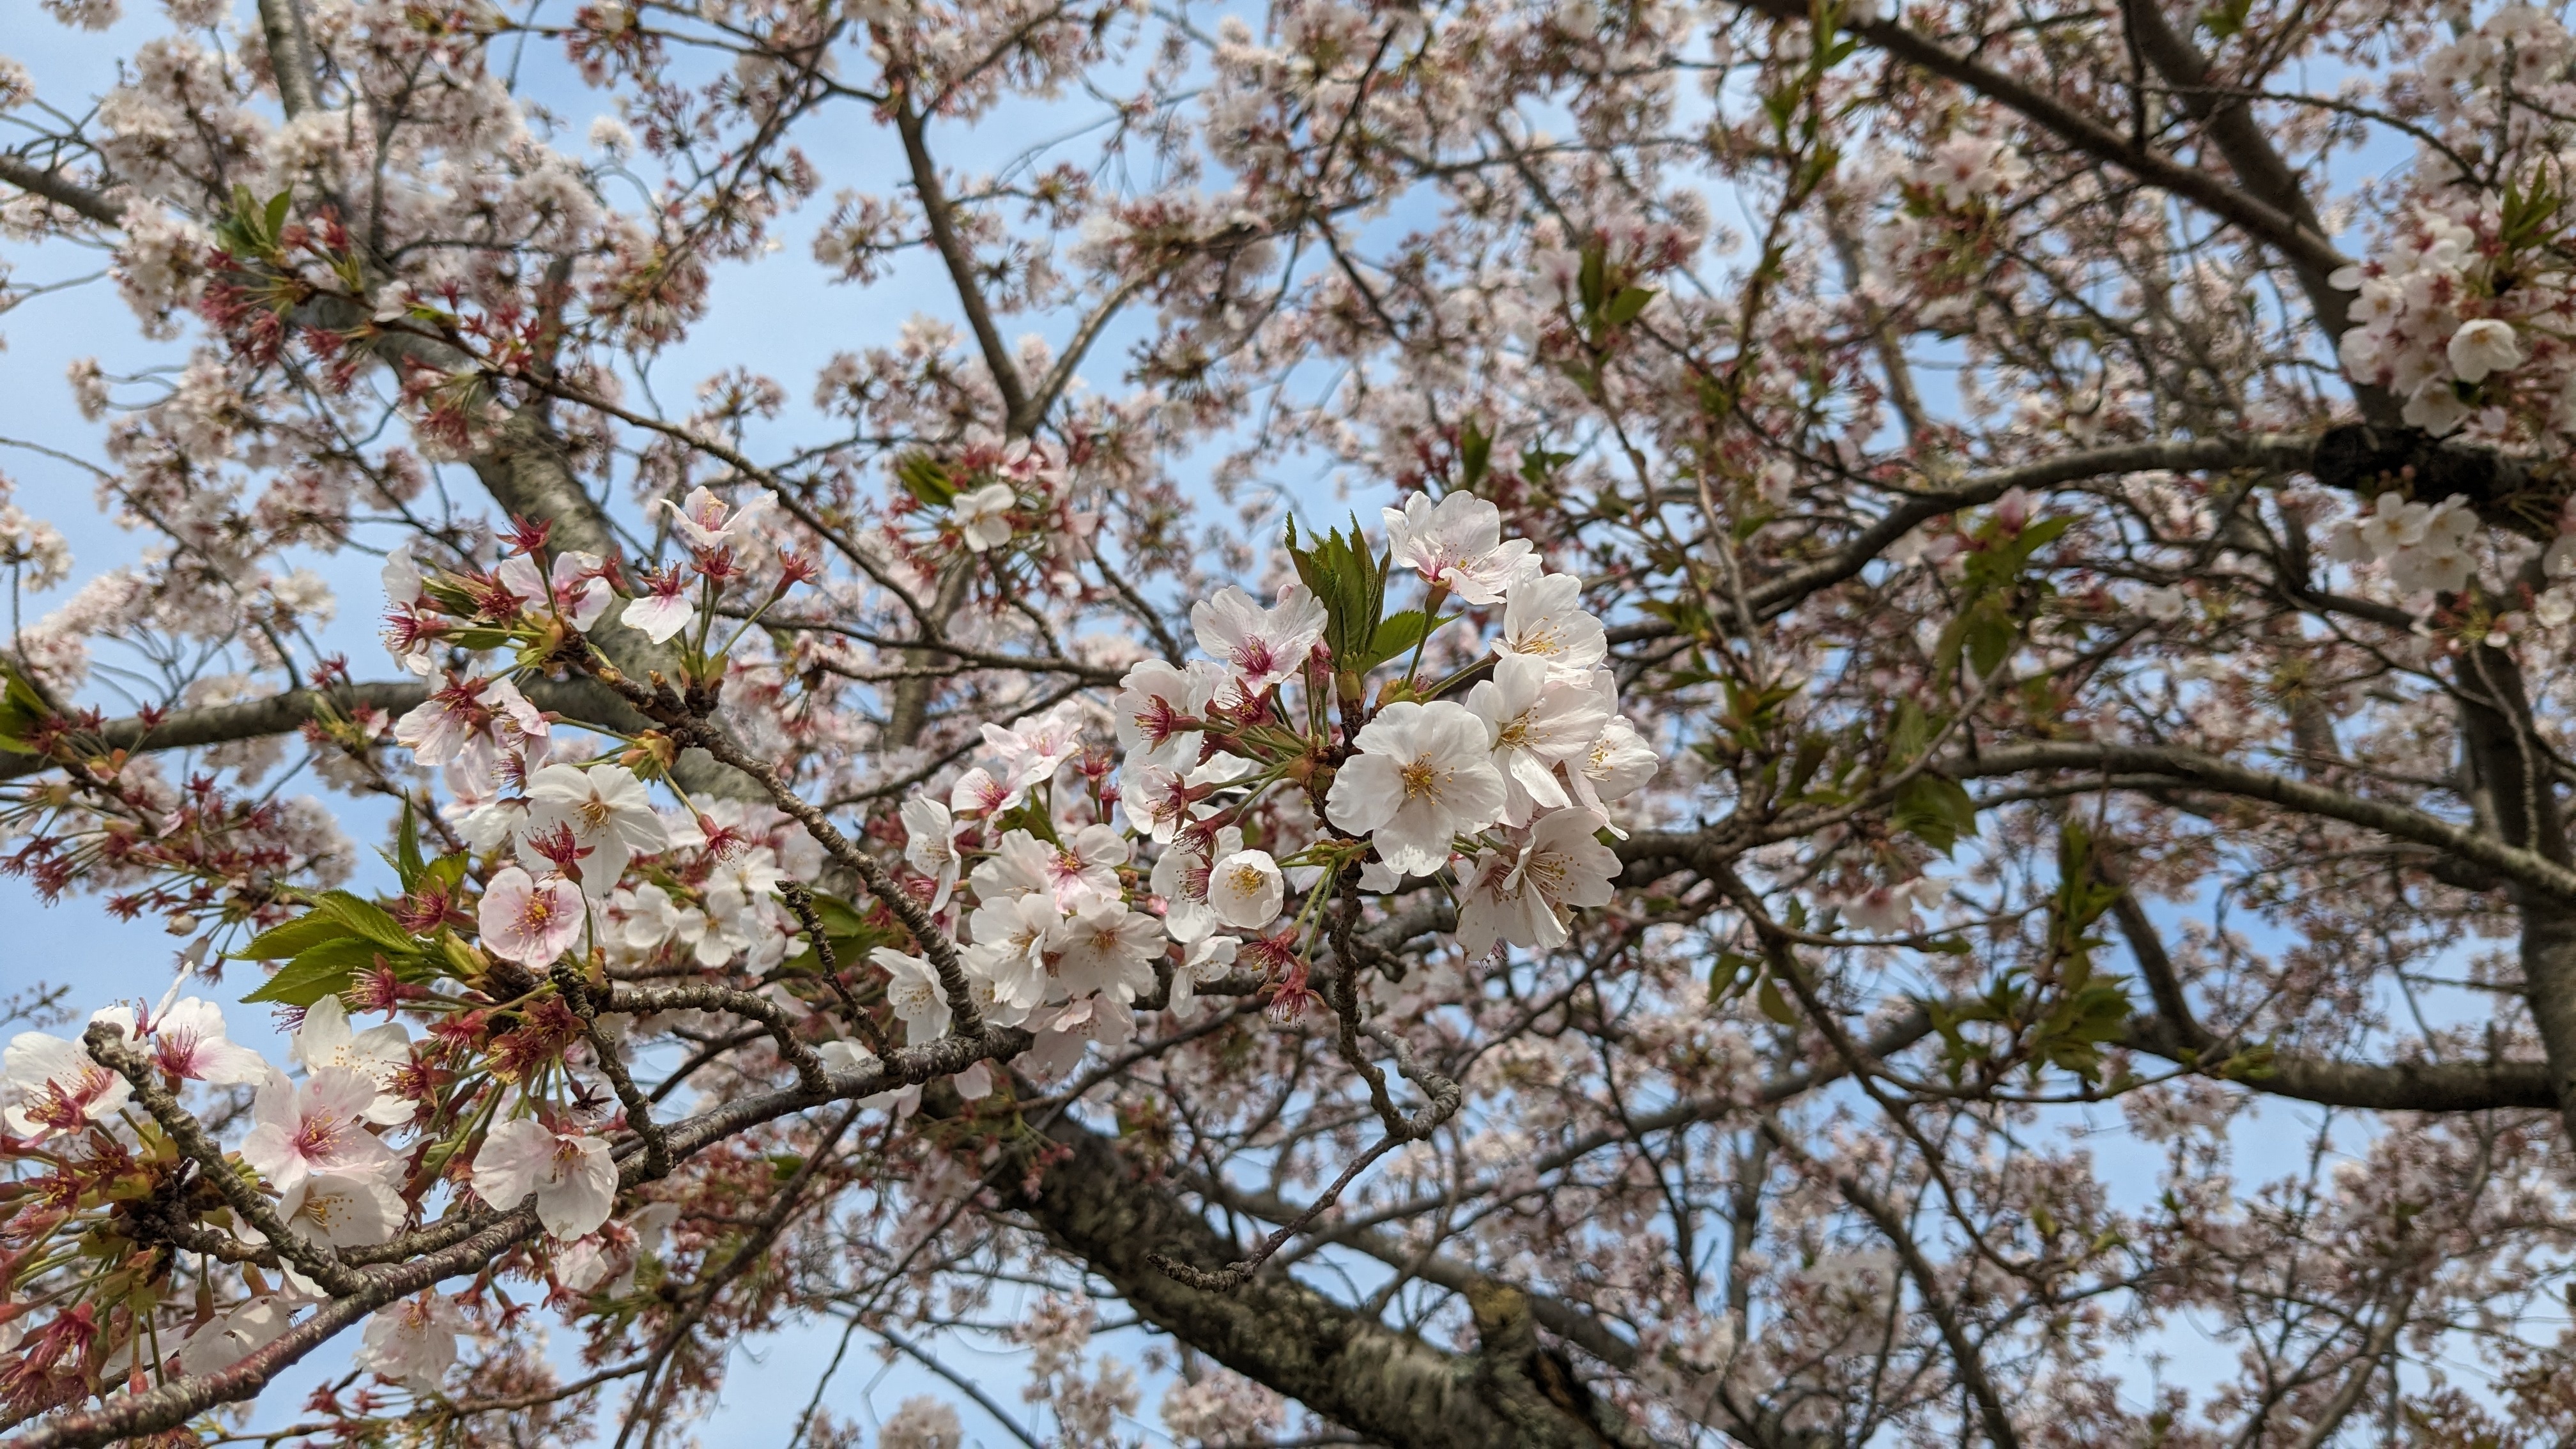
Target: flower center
{"points": [[595, 812], [1247, 879], [1421, 778], [317, 1137], [1547, 873], [1255, 656]]}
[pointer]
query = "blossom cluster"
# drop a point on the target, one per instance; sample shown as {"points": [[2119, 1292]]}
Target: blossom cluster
{"points": [[1252, 779]]}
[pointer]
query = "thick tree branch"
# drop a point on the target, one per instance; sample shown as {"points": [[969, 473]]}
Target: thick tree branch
{"points": [[53, 186], [1344, 1365], [2194, 770]]}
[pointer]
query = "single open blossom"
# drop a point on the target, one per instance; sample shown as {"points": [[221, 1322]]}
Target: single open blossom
{"points": [[235, 1336], [668, 605], [1035, 746], [1262, 647], [442, 727], [326, 1040], [1458, 545], [930, 845], [570, 1172], [1207, 959], [1545, 619], [2435, 406], [188, 1041], [1521, 892], [1245, 889], [609, 811], [607, 1259], [2483, 346], [56, 1086], [1107, 948], [982, 517], [978, 793], [1158, 800], [575, 583], [1617, 764], [1538, 719], [527, 919], [1424, 775], [316, 1126], [1886, 910], [1011, 937], [341, 1209], [1083, 868], [914, 990], [413, 1342], [705, 523], [1160, 711]]}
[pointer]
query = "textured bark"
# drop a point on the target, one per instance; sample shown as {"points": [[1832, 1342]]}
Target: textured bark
{"points": [[581, 701], [1391, 1387], [2389, 1087]]}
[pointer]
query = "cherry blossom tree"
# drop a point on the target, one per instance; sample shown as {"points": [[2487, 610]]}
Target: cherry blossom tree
{"points": [[1551, 724]]}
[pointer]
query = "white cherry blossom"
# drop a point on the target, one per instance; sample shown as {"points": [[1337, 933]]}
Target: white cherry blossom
{"points": [[1537, 719], [413, 1342], [1522, 892], [316, 1126], [570, 1172], [981, 516], [325, 1039], [1457, 544], [1261, 647], [1424, 774], [1245, 889]]}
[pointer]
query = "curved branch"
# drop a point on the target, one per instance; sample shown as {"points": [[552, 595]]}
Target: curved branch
{"points": [[2192, 769], [581, 701], [55, 187]]}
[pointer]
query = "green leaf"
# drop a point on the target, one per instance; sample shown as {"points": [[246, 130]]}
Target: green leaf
{"points": [[1989, 636], [407, 859], [1936, 810], [325, 970], [281, 943], [446, 872], [2224, 21], [924, 478], [22, 711], [1475, 453], [273, 224], [1591, 281], [1350, 582], [1773, 1004], [1730, 973], [367, 919], [1623, 308], [1397, 636]]}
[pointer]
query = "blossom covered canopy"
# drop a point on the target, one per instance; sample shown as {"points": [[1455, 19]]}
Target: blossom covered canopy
{"points": [[1926, 612]]}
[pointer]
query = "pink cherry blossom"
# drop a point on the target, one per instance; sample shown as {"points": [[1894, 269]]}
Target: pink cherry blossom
{"points": [[528, 919]]}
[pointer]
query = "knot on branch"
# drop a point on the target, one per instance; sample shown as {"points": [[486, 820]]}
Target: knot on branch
{"points": [[2524, 495]]}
